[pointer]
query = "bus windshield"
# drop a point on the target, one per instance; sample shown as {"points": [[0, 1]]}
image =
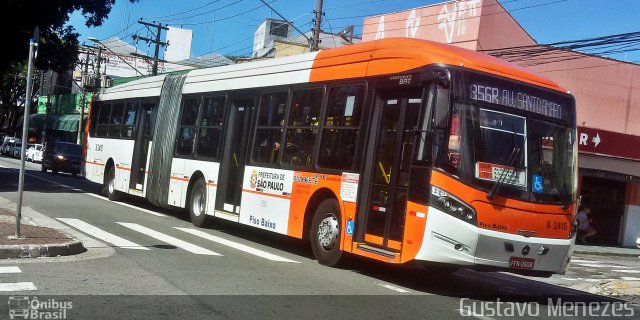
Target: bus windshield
{"points": [[509, 150]]}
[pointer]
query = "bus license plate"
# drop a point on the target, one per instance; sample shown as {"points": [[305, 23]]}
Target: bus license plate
{"points": [[521, 263]]}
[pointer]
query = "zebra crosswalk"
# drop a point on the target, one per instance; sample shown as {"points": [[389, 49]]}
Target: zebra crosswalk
{"points": [[15, 286], [121, 242]]}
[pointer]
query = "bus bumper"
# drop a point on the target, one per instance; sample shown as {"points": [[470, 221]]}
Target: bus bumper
{"points": [[452, 241]]}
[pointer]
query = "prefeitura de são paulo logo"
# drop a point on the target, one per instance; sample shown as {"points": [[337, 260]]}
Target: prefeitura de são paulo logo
{"points": [[23, 307], [254, 178]]}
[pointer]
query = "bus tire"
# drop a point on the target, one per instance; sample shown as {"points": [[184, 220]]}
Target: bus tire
{"points": [[198, 203], [110, 185], [54, 170], [43, 168], [325, 233]]}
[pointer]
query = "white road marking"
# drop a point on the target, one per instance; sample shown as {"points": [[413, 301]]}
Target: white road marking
{"points": [[467, 313], [1, 166], [594, 265], [10, 270], [157, 214], [630, 278], [583, 261], [99, 197], [627, 271], [169, 239], [101, 234], [18, 286], [235, 245], [394, 288], [570, 279]]}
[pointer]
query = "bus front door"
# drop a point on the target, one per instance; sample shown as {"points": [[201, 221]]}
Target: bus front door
{"points": [[234, 155], [390, 155]]}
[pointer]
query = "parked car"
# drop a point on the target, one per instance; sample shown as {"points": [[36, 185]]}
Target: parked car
{"points": [[62, 157], [34, 153], [17, 148], [7, 145]]}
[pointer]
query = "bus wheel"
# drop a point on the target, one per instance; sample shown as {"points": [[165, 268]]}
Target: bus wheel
{"points": [[325, 233], [110, 185], [198, 203], [43, 168]]}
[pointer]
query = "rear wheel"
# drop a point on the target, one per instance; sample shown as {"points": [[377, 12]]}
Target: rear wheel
{"points": [[110, 185], [325, 233], [198, 203], [54, 170], [43, 168]]}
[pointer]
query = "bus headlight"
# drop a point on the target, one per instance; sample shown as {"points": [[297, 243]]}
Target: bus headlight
{"points": [[453, 206]]}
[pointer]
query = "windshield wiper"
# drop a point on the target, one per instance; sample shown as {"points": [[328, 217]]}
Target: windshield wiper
{"points": [[546, 168], [510, 162]]}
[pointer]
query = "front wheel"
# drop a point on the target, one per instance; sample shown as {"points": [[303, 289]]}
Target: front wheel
{"points": [[325, 233], [110, 185], [198, 203]]}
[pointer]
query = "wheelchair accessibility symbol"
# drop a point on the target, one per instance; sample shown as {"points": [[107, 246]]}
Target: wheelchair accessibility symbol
{"points": [[349, 229], [537, 184]]}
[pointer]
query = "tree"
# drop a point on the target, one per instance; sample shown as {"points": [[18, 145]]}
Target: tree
{"points": [[58, 47]]}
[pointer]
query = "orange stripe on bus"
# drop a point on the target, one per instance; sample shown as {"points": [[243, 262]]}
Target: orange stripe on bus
{"points": [[123, 168], [212, 184], [179, 178], [94, 163], [267, 194]]}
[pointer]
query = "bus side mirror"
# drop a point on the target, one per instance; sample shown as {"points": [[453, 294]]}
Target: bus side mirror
{"points": [[438, 75]]}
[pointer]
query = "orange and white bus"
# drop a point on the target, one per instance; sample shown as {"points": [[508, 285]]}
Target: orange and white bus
{"points": [[400, 150]]}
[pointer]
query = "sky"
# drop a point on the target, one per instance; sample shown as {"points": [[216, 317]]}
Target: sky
{"points": [[227, 26]]}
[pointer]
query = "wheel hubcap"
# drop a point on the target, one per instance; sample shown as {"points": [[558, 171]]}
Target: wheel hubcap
{"points": [[328, 232], [198, 203]]}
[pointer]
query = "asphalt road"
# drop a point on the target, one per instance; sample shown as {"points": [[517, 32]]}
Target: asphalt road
{"points": [[227, 270]]}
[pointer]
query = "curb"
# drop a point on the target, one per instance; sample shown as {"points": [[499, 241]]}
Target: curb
{"points": [[41, 250], [613, 254]]}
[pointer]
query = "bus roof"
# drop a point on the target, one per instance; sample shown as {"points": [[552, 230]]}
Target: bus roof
{"points": [[373, 58]]}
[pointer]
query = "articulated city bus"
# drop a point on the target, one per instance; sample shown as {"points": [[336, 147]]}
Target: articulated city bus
{"points": [[400, 150]]}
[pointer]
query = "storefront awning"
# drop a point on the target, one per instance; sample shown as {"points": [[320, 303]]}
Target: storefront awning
{"points": [[620, 166], [65, 122]]}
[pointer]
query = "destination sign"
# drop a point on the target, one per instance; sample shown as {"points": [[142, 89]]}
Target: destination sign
{"points": [[518, 96]]}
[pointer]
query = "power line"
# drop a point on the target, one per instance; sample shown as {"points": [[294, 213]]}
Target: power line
{"points": [[225, 18], [183, 12], [203, 13]]}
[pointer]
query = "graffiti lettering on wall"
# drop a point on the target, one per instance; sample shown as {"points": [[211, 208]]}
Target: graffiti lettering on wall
{"points": [[380, 32], [453, 18]]}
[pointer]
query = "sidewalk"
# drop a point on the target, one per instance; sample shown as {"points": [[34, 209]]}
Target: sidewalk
{"points": [[607, 251], [35, 241]]}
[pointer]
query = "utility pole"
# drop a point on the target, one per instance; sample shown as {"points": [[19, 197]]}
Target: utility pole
{"points": [[157, 36], [315, 40], [84, 94]]}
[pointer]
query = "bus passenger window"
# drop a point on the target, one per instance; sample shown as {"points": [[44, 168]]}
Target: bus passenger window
{"points": [[130, 119], [93, 123], [271, 117], [301, 133], [209, 126], [339, 136], [188, 127], [103, 120], [115, 124], [184, 143]]}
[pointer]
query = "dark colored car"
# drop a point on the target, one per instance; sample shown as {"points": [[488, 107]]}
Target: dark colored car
{"points": [[62, 157]]}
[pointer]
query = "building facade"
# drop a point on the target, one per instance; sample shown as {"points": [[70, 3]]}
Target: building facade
{"points": [[606, 91]]}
